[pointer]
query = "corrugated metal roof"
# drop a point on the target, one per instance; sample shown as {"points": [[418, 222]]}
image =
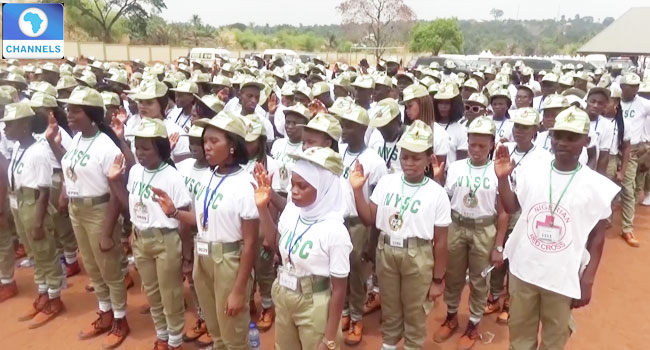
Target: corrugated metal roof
{"points": [[628, 35]]}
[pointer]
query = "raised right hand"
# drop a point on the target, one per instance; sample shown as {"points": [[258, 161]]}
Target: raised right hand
{"points": [[117, 169], [263, 188], [503, 166], [357, 177]]}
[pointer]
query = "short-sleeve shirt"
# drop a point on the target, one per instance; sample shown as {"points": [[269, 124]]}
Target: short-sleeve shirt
{"points": [[482, 180], [193, 178], [635, 114], [372, 164], [66, 140], [30, 167]]}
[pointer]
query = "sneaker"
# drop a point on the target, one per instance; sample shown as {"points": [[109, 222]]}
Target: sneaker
{"points": [[37, 306], [345, 323], [504, 316], [20, 252], [72, 269], [204, 341], [646, 200], [492, 306], [119, 330], [8, 291], [101, 325], [373, 303], [266, 319], [160, 345], [26, 263], [52, 308], [128, 281], [195, 332], [354, 334], [447, 329], [469, 338], [631, 240]]}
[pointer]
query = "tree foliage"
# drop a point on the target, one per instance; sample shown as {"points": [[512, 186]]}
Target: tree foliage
{"points": [[441, 34], [496, 13], [380, 17]]}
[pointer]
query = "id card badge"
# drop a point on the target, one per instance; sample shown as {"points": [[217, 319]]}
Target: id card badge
{"points": [[141, 213], [288, 279], [202, 248], [397, 242], [547, 232], [13, 201]]}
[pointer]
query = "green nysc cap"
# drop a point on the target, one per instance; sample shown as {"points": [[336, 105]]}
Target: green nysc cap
{"points": [[84, 96], [226, 121], [15, 111], [254, 127], [417, 138], [41, 99], [149, 90], [150, 128], [195, 131], [482, 125], [526, 116], [357, 114], [324, 157], [385, 111], [572, 119], [326, 123]]}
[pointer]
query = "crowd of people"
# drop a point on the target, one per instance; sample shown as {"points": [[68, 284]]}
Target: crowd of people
{"points": [[332, 190]]}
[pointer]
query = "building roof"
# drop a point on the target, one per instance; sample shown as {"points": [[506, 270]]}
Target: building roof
{"points": [[624, 37]]}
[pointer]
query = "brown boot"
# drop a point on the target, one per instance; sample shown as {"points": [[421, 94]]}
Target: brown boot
{"points": [[373, 303], [195, 332], [160, 345], [52, 308], [204, 341], [72, 269], [345, 323], [102, 324], [8, 291], [36, 307], [492, 306], [631, 240], [354, 334], [504, 316], [469, 338], [266, 319], [118, 333], [447, 329]]}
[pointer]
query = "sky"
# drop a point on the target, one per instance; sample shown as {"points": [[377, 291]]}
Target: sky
{"points": [[294, 12]]}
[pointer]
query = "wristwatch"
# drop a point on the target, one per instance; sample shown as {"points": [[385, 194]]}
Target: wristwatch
{"points": [[330, 344], [499, 248]]}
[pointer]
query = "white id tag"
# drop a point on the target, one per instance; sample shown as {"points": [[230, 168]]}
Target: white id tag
{"points": [[549, 234], [288, 280], [13, 202], [141, 213], [202, 248], [396, 242]]}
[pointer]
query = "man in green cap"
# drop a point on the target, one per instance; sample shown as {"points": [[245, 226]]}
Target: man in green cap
{"points": [[555, 248]]}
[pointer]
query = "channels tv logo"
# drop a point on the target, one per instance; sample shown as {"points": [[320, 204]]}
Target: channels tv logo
{"points": [[32, 30]]}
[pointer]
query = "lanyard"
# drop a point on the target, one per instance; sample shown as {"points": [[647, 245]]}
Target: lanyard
{"points": [[74, 164], [420, 185], [293, 234], [186, 118], [469, 163], [546, 140], [522, 158], [158, 169], [390, 156], [550, 187], [206, 203], [596, 126], [501, 125], [355, 158], [15, 163]]}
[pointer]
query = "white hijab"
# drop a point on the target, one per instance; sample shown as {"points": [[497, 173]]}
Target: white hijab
{"points": [[329, 194]]}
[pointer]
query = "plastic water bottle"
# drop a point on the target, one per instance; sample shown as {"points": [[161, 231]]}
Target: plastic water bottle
{"points": [[254, 336]]}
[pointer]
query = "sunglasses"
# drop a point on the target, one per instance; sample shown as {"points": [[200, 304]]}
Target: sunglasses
{"points": [[473, 109]]}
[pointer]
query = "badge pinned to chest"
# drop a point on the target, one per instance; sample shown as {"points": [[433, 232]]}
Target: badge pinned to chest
{"points": [[395, 222], [547, 232], [71, 174], [284, 173], [470, 201], [141, 212]]}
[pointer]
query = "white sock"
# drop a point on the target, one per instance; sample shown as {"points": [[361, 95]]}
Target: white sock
{"points": [[104, 306], [70, 257], [119, 314], [474, 319], [388, 347], [452, 311], [6, 280], [375, 289], [175, 340], [42, 288], [346, 312], [267, 303], [54, 293], [162, 334]]}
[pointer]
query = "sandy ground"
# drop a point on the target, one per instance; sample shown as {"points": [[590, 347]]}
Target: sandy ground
{"points": [[616, 319]]}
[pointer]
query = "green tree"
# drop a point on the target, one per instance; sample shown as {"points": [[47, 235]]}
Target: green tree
{"points": [[106, 13], [496, 13], [441, 34]]}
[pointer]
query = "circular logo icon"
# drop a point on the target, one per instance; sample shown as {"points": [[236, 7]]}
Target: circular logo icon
{"points": [[32, 22]]}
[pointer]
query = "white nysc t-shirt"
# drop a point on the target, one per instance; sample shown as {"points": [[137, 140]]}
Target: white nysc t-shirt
{"points": [[372, 164], [482, 180]]}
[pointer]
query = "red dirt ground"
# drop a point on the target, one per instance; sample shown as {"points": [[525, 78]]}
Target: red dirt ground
{"points": [[616, 319]]}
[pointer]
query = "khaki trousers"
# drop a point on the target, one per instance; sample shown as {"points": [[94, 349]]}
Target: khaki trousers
{"points": [[7, 247], [469, 248], [264, 273], [47, 268], [214, 277], [359, 270], [65, 238], [103, 268], [158, 258], [628, 198], [405, 275], [531, 305], [301, 318], [20, 232]]}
